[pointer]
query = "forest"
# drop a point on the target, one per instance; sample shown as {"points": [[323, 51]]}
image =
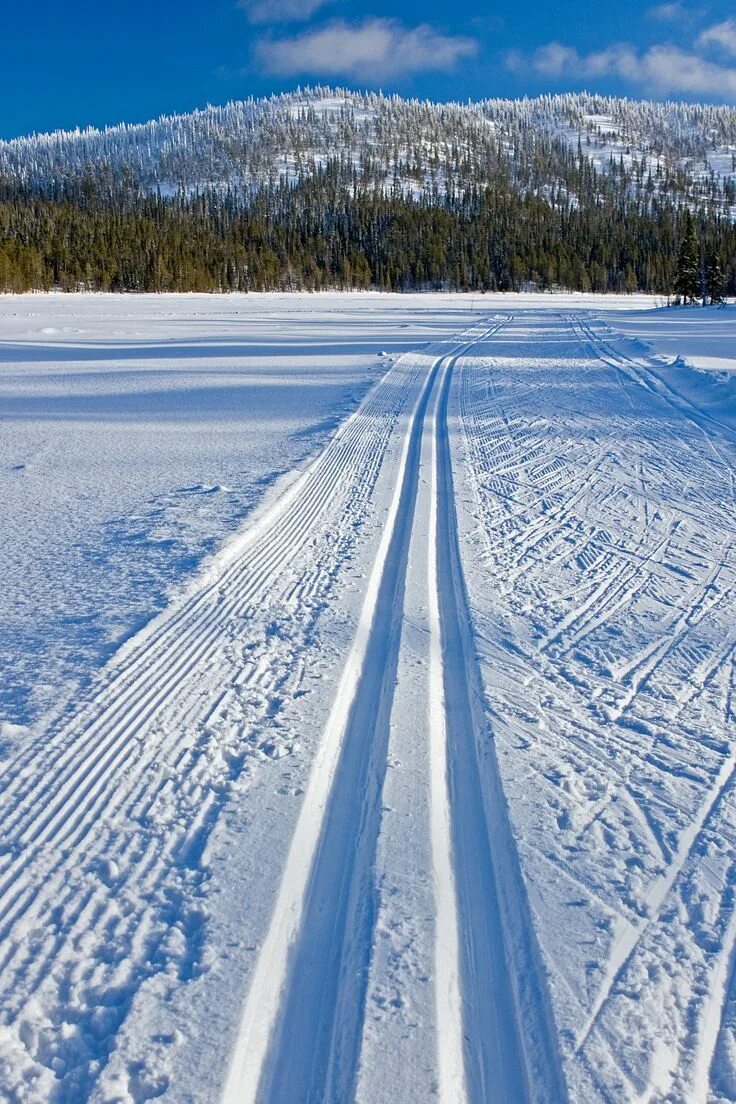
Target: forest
{"points": [[413, 197], [318, 234]]}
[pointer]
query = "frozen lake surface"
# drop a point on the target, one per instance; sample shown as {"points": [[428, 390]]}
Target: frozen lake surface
{"points": [[135, 435], [367, 700]]}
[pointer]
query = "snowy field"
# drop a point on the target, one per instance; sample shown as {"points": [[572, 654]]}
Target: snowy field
{"points": [[367, 700], [137, 433]]}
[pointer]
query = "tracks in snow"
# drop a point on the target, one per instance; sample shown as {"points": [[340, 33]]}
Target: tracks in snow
{"points": [[608, 668], [301, 1030], [106, 816], [606, 592], [510, 1052], [59, 807]]}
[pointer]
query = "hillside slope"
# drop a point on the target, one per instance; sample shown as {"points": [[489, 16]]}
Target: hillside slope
{"points": [[673, 149]]}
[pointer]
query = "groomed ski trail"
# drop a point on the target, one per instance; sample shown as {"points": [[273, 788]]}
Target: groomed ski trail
{"points": [[511, 1052], [300, 1033], [511, 877], [117, 800]]}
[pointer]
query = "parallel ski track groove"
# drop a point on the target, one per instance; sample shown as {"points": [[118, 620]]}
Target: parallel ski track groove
{"points": [[133, 695], [511, 1048], [320, 473], [649, 378], [279, 545], [300, 1030]]}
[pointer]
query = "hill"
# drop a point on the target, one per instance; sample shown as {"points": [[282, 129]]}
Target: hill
{"points": [[344, 179]]}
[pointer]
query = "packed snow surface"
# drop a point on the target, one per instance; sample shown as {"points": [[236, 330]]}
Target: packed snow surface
{"points": [[367, 700], [136, 433]]}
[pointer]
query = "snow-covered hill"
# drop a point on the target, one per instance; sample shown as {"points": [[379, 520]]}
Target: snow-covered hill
{"points": [[683, 150]]}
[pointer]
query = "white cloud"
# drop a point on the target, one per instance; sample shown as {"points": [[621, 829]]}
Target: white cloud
{"points": [[662, 69], [280, 11], [372, 50], [556, 60], [722, 35], [669, 69], [668, 13]]}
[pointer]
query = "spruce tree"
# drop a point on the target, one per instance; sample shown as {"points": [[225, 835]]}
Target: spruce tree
{"points": [[715, 278], [687, 280]]}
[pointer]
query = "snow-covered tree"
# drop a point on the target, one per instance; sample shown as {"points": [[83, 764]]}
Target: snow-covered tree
{"points": [[688, 277], [715, 278]]}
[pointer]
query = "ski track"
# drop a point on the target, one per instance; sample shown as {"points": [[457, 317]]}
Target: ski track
{"points": [[302, 1022], [608, 665], [326, 866], [559, 672], [141, 769], [510, 1050]]}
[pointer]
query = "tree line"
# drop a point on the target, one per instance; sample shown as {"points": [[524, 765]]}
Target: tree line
{"points": [[333, 228]]}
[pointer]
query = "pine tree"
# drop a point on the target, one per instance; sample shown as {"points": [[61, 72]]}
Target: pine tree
{"points": [[687, 280], [715, 278], [337, 228]]}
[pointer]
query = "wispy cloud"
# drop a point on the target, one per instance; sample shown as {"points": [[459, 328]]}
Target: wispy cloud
{"points": [[372, 50], [668, 13], [663, 69], [721, 35], [669, 69], [280, 11]]}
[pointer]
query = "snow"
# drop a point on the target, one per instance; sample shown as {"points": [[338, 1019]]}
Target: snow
{"points": [[136, 434], [626, 139], [600, 511], [419, 774], [245, 143], [694, 358]]}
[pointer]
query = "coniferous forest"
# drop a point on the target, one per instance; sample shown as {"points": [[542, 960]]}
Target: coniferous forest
{"points": [[482, 215]]}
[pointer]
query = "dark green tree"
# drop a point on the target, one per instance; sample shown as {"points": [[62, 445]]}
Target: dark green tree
{"points": [[715, 278], [687, 279], [335, 227]]}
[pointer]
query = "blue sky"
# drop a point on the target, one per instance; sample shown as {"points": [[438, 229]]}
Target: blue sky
{"points": [[73, 64]]}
